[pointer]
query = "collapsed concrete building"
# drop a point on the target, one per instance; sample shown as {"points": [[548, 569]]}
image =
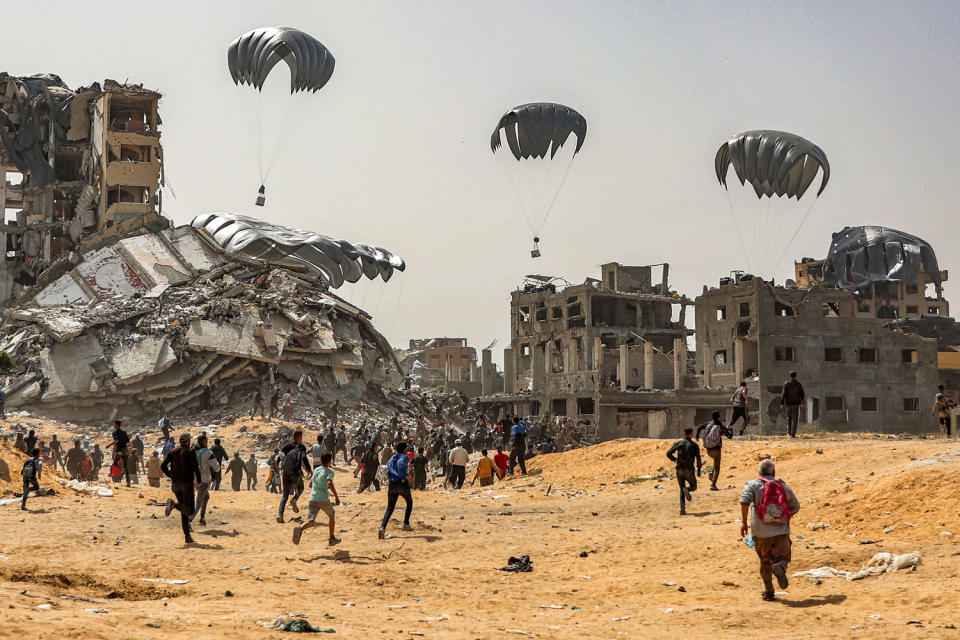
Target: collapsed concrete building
{"points": [[451, 363], [111, 311], [833, 326], [609, 355]]}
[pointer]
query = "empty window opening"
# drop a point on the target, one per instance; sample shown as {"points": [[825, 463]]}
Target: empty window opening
{"points": [[909, 356], [868, 355], [558, 406], [834, 403], [524, 314], [585, 406], [744, 309], [525, 350], [721, 313], [720, 357], [913, 310], [541, 314], [868, 404], [556, 312], [782, 310], [833, 354], [534, 407], [913, 288], [911, 404], [933, 310], [743, 328], [783, 354], [831, 310]]}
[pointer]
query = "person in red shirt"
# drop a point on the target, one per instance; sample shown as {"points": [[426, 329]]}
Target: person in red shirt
{"points": [[501, 460]]}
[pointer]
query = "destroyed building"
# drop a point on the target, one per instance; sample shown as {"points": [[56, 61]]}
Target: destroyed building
{"points": [[609, 355], [831, 325], [111, 311], [452, 363], [75, 162]]}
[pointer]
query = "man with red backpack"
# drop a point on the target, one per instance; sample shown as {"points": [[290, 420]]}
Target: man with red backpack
{"points": [[774, 503]]}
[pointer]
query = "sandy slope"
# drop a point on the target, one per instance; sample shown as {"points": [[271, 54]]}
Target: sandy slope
{"points": [[639, 551]]}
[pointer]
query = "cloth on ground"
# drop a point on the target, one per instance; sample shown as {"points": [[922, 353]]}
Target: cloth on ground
{"points": [[519, 565], [882, 562]]}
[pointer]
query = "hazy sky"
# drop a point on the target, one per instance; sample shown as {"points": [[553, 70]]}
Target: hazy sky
{"points": [[395, 149]]}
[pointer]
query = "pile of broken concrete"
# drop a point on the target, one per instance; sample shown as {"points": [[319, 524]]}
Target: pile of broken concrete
{"points": [[164, 323]]}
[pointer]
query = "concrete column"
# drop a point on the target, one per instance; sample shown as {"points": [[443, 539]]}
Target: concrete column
{"points": [[738, 359], [679, 362], [509, 372], [623, 366], [446, 369], [707, 359], [474, 372], [539, 373], [648, 365], [597, 353], [486, 372]]}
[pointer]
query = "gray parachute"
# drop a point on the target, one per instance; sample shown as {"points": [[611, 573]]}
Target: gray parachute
{"points": [[335, 261], [773, 162], [861, 255], [253, 55], [534, 129]]}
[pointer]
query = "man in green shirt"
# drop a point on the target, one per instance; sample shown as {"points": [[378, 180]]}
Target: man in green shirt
{"points": [[420, 470], [317, 451], [321, 486]]}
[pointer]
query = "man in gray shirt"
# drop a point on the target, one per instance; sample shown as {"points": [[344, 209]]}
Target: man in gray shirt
{"points": [[772, 540]]}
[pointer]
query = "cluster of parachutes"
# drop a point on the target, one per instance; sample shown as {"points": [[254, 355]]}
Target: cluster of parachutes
{"points": [[532, 141], [336, 261]]}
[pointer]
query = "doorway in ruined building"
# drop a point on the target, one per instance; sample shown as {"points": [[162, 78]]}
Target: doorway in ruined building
{"points": [[750, 359]]}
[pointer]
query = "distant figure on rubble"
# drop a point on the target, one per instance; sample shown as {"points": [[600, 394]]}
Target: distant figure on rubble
{"points": [[57, 450], [941, 407], [251, 467], [30, 472], [419, 463], [137, 443], [369, 465], [180, 465], [165, 428], [31, 440], [741, 402], [517, 454], [96, 457], [773, 504], [341, 445], [286, 405], [75, 457], [273, 479], [713, 442], [153, 470], [236, 469], [220, 454], [275, 403], [684, 452], [791, 397], [19, 443], [257, 403]]}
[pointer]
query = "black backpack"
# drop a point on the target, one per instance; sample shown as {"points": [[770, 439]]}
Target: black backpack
{"points": [[29, 471], [290, 464]]}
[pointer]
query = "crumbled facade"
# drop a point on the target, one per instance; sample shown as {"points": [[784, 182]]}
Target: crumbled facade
{"points": [[75, 162], [609, 356]]}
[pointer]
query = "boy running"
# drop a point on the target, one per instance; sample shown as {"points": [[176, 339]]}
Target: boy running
{"points": [[322, 485]]}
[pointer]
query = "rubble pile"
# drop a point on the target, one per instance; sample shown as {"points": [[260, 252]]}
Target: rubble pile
{"points": [[165, 323]]}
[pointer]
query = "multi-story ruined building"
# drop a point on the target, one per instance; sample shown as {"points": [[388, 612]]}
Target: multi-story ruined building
{"points": [[75, 163], [610, 354], [446, 358], [859, 370]]}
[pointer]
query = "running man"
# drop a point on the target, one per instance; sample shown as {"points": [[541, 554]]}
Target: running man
{"points": [[321, 487], [741, 402], [399, 472], [182, 468], [683, 453], [713, 442]]}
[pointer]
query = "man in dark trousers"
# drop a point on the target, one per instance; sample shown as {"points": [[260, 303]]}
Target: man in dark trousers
{"points": [[31, 476], [713, 441], [120, 443], [220, 454], [370, 464], [75, 456], [791, 397], [292, 466], [275, 403], [398, 470], [741, 403], [257, 404], [519, 450], [180, 465], [684, 452], [236, 469]]}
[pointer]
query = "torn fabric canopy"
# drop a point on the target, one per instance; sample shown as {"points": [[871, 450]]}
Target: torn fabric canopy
{"points": [[861, 255]]}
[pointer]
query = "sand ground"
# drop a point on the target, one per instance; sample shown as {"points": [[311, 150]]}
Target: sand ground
{"points": [[85, 557]]}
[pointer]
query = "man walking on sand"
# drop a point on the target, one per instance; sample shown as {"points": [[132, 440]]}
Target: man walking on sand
{"points": [[251, 467], [791, 397], [181, 467], [741, 402], [486, 470], [321, 485], [684, 452], [292, 465], [30, 472], [770, 504], [713, 441], [208, 467], [236, 469], [153, 470], [519, 450], [399, 474], [458, 459]]}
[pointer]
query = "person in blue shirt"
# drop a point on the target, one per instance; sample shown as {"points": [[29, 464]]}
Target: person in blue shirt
{"points": [[398, 469], [519, 432]]}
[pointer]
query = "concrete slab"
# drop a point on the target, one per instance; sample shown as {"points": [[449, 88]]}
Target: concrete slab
{"points": [[148, 357], [109, 275], [68, 366], [63, 290], [193, 250], [230, 339], [154, 258]]}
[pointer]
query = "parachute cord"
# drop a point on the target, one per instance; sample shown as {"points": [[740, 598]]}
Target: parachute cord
{"points": [[379, 300], [556, 194], [517, 194], [396, 310], [736, 224], [795, 233], [280, 142]]}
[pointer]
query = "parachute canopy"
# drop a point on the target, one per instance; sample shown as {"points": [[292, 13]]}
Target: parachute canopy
{"points": [[253, 55], [861, 255], [336, 261], [533, 129], [773, 162]]}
